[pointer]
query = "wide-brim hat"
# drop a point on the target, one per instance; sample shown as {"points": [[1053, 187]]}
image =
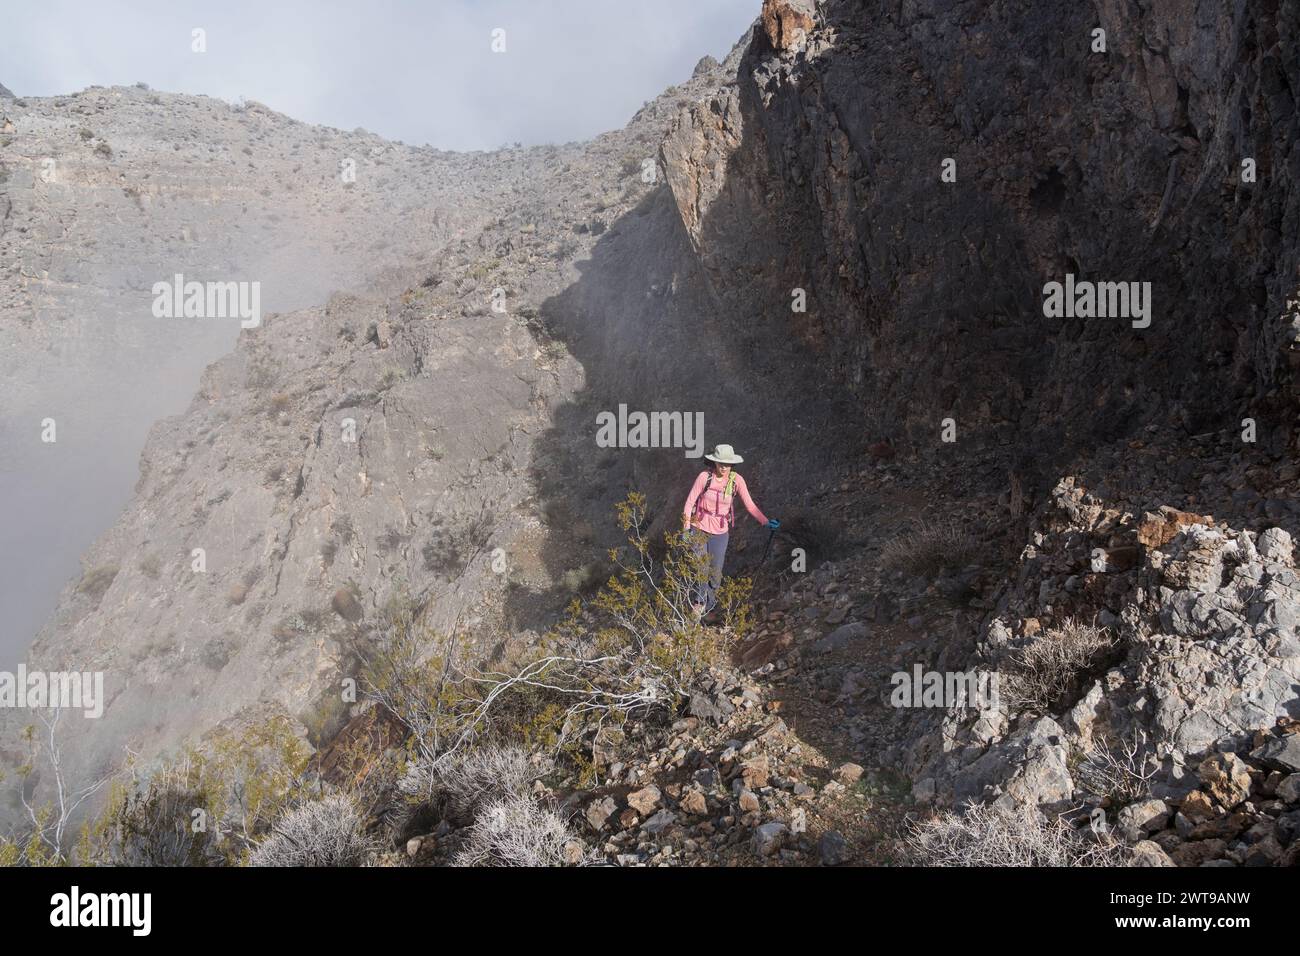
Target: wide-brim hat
{"points": [[724, 455]]}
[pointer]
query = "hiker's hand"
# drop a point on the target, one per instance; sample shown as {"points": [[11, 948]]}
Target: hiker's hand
{"points": [[773, 523]]}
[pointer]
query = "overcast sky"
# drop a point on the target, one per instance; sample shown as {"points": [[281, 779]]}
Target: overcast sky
{"points": [[420, 72]]}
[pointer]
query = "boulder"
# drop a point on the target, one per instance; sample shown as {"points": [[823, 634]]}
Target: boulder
{"points": [[841, 636], [1266, 852], [599, 812], [832, 848], [706, 64], [1275, 545], [1198, 852], [755, 772], [694, 802], [1157, 530], [786, 23], [1288, 789], [1149, 853], [847, 773], [1196, 806], [646, 800], [768, 838], [1280, 753], [1031, 766], [1224, 827], [1145, 816], [1195, 559], [659, 822], [1226, 777], [713, 709]]}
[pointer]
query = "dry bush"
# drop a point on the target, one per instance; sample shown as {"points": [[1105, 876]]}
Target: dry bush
{"points": [[1120, 772], [515, 831], [239, 784], [328, 832], [991, 835], [929, 547], [1041, 674], [458, 786], [96, 582], [636, 647], [153, 823], [420, 676]]}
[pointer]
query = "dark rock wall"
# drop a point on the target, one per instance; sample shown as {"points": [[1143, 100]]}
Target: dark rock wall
{"points": [[821, 170]]}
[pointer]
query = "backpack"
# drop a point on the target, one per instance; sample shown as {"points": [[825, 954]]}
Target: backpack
{"points": [[727, 496]]}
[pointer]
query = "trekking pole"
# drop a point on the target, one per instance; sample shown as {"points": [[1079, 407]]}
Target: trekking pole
{"points": [[766, 550]]}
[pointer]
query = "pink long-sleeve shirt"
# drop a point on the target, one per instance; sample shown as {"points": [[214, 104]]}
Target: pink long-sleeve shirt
{"points": [[713, 517]]}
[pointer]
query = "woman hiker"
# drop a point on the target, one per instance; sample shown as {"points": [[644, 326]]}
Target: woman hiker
{"points": [[711, 511]]}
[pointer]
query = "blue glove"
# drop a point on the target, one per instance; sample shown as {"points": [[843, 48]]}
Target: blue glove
{"points": [[773, 523]]}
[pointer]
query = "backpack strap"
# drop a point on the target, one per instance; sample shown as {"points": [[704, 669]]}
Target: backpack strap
{"points": [[728, 493], [698, 510]]}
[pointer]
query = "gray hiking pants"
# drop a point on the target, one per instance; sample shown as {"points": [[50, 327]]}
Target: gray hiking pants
{"points": [[715, 546]]}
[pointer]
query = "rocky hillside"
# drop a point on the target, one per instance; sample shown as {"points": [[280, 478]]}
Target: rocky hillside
{"points": [[385, 448], [108, 191], [1099, 510]]}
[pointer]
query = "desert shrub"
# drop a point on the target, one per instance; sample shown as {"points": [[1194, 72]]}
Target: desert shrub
{"points": [[1043, 673], [459, 785], [327, 832], [1118, 771], [993, 835], [30, 849], [453, 546], [630, 164], [207, 807], [419, 676], [928, 547], [290, 629], [216, 653], [635, 647], [158, 822], [96, 582], [515, 831]]}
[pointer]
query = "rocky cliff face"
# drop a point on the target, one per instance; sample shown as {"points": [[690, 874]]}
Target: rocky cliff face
{"points": [[1137, 160], [806, 268], [925, 295]]}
